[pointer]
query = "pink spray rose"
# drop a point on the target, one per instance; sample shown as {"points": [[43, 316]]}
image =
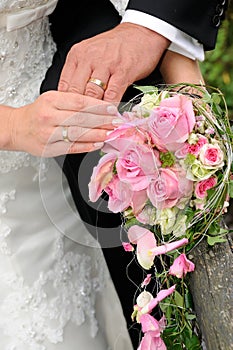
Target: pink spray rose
{"points": [[195, 148], [169, 188], [171, 123], [204, 185], [211, 155], [181, 266]]}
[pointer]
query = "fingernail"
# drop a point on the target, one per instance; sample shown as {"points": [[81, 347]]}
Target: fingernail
{"points": [[112, 110], [117, 121], [98, 144], [109, 132]]}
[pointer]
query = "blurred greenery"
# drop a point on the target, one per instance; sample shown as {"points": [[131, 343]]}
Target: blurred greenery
{"points": [[217, 68]]}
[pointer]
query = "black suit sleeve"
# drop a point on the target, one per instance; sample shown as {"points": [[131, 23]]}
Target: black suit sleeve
{"points": [[198, 18]]}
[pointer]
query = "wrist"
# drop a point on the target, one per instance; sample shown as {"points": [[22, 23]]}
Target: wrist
{"points": [[7, 122], [176, 68], [152, 37]]}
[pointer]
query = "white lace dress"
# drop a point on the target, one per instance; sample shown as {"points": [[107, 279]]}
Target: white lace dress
{"points": [[55, 289]]}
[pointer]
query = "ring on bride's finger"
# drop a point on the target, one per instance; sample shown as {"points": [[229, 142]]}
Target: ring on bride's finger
{"points": [[98, 82], [65, 134]]}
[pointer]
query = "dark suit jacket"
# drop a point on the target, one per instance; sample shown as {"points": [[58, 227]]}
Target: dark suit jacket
{"points": [[198, 18]]}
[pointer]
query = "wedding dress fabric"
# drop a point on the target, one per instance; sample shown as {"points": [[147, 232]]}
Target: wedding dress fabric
{"points": [[55, 289]]}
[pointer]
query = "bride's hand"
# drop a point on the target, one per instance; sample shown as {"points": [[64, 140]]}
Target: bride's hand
{"points": [[60, 123]]}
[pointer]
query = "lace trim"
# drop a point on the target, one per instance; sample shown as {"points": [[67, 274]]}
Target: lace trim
{"points": [[13, 161], [25, 55], [5, 230], [9, 5], [30, 317]]}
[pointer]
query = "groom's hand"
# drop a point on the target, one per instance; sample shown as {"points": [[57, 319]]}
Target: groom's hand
{"points": [[117, 58]]}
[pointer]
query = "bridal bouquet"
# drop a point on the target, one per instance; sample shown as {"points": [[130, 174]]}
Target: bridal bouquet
{"points": [[167, 170]]}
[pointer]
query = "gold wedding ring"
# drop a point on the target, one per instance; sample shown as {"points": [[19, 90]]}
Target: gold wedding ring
{"points": [[98, 82], [65, 134]]}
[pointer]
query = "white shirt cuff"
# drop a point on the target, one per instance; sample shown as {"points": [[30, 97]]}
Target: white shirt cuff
{"points": [[181, 42]]}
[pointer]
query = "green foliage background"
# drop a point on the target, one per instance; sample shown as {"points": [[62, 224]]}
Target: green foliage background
{"points": [[217, 68]]}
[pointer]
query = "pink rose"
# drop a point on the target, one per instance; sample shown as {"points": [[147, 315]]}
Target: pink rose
{"points": [[136, 165], [121, 138], [171, 123], [120, 195], [101, 176], [138, 201], [181, 266], [211, 155], [169, 188], [195, 149], [204, 185]]}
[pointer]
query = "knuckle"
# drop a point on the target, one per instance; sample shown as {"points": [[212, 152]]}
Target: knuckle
{"points": [[93, 91], [62, 84], [74, 89], [48, 96], [112, 92], [73, 52]]}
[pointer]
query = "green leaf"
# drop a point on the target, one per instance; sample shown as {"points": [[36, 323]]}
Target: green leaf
{"points": [[216, 98], [179, 300], [214, 229], [188, 300], [146, 89], [192, 343], [212, 240], [190, 317]]}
